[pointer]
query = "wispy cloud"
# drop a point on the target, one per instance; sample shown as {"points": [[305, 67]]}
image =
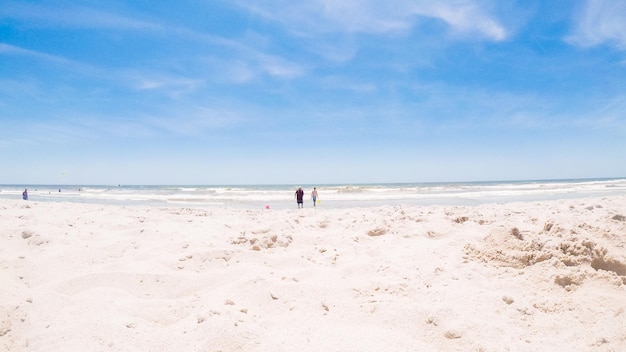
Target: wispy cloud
{"points": [[145, 80], [464, 17], [9, 49], [607, 114], [198, 121], [600, 22], [164, 121], [46, 134], [241, 64], [172, 85], [251, 61], [39, 15]]}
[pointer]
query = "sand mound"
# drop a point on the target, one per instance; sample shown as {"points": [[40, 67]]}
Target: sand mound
{"points": [[516, 249], [261, 240]]}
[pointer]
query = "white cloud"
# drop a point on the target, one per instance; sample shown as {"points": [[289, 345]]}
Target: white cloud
{"points": [[600, 22], [465, 17]]}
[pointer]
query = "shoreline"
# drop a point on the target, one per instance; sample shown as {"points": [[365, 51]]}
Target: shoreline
{"points": [[525, 275], [331, 196]]}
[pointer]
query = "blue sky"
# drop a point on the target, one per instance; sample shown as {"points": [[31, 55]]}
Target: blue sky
{"points": [[311, 91]]}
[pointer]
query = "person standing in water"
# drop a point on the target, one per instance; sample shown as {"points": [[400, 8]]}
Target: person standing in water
{"points": [[314, 195], [300, 197], [25, 194]]}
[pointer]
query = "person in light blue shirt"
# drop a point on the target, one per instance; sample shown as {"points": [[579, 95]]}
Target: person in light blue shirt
{"points": [[314, 195]]}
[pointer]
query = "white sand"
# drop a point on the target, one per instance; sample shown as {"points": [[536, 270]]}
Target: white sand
{"points": [[541, 276]]}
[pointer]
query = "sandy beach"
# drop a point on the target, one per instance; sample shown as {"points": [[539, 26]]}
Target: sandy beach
{"points": [[525, 276]]}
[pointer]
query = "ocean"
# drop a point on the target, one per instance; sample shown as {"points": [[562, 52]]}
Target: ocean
{"points": [[330, 195]]}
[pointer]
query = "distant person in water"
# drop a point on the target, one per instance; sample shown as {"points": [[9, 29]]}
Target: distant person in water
{"points": [[25, 194], [314, 195], [300, 197]]}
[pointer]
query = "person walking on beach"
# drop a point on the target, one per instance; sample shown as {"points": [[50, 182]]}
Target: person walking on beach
{"points": [[25, 194], [300, 197], [314, 195]]}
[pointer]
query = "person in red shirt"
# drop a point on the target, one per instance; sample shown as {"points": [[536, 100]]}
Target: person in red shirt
{"points": [[300, 197]]}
